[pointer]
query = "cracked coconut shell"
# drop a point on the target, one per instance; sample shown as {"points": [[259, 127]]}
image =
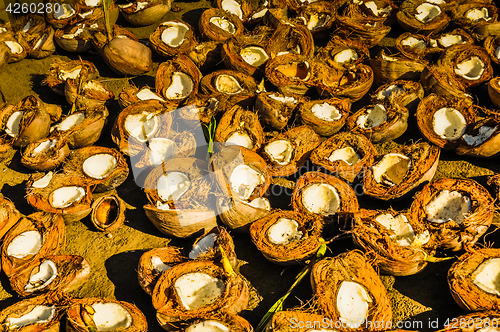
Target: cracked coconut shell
{"points": [[325, 126], [54, 150], [108, 213], [9, 215]]}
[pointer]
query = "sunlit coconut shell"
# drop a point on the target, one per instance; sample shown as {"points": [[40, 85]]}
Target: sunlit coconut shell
{"points": [[483, 31], [47, 227], [154, 262], [193, 210], [100, 35], [4, 56], [494, 90], [492, 44], [436, 80], [230, 322], [318, 17], [355, 82], [168, 303], [45, 154], [17, 46], [207, 247], [133, 94], [43, 45], [62, 18], [379, 129], [238, 215], [407, 17], [333, 112], [240, 127], [199, 109], [74, 38], [381, 9], [295, 246], [79, 314], [274, 109], [468, 292], [240, 8], [340, 167], [414, 46], [247, 54], [364, 30], [328, 277], [482, 139], [9, 215], [70, 272], [344, 197], [425, 114], [60, 71], [406, 93], [382, 243], [206, 55], [456, 36], [151, 13], [219, 25], [482, 320], [92, 94], [172, 73], [301, 141], [95, 12], [172, 38], [126, 56], [144, 111], [108, 213], [70, 197], [227, 82], [451, 235], [273, 16], [291, 39], [471, 14], [389, 68], [292, 74], [343, 52], [420, 167]]}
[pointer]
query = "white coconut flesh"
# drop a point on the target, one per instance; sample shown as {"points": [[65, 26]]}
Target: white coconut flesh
{"points": [[25, 244], [380, 12], [283, 99], [141, 125], [223, 24], [233, 7], [208, 326], [158, 265], [47, 272], [175, 34], [388, 58], [14, 47], [259, 14], [326, 112], [413, 42], [426, 12], [450, 39], [391, 169], [146, 94], [38, 315], [70, 122], [171, 186], [66, 196], [299, 70], [284, 231], [241, 139], [75, 34], [227, 84], [347, 154], [140, 6], [203, 246], [448, 205], [280, 151], [317, 21], [497, 52], [477, 14], [44, 147], [244, 179], [437, 2], [353, 304], [92, 3], [391, 90], [470, 69], [489, 329], [99, 166], [254, 55], [28, 25], [321, 198], [63, 75], [180, 87], [160, 150], [94, 86], [41, 41], [449, 123], [399, 226], [197, 290], [43, 181], [12, 126], [261, 203], [487, 276], [346, 56], [111, 316], [3, 30], [65, 11], [373, 117], [484, 133]]}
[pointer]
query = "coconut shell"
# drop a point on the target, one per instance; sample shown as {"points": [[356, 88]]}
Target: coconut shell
{"points": [[206, 55], [238, 215], [166, 70], [129, 96], [4, 56], [232, 53], [465, 37], [294, 252], [100, 35], [61, 22], [460, 14], [55, 78], [167, 50], [473, 322], [239, 120], [287, 38], [450, 235], [210, 31], [494, 90], [318, 17], [80, 44], [43, 45], [222, 239], [388, 15], [168, 305], [292, 74], [93, 94], [483, 31], [78, 315], [409, 96], [491, 44], [9, 215], [436, 80], [273, 113], [354, 83], [232, 322], [487, 147], [363, 147], [388, 69], [48, 159], [424, 159], [52, 230], [152, 13], [321, 126], [199, 109], [245, 8], [337, 45], [364, 30], [208, 83], [19, 40], [127, 57], [35, 122], [326, 279], [108, 213], [407, 20]]}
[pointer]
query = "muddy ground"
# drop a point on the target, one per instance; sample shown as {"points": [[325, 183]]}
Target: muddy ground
{"points": [[421, 299]]}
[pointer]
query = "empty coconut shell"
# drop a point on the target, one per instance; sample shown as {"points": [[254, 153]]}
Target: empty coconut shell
{"points": [[108, 213], [326, 116], [46, 154], [172, 38], [219, 25], [274, 109], [406, 93], [140, 14]]}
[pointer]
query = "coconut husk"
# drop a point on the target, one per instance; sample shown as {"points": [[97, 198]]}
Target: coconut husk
{"points": [[424, 159], [466, 293], [483, 31], [210, 31], [100, 35], [364, 30], [336, 45], [478, 320], [166, 50], [61, 22], [29, 26], [410, 51], [206, 55], [130, 145], [232, 322], [239, 120], [494, 181], [407, 20], [15, 39], [208, 83], [291, 38], [9, 215], [450, 235], [47, 159], [71, 270], [79, 319], [426, 110], [35, 122], [40, 198], [238, 215], [92, 94], [55, 78], [292, 74], [294, 252], [274, 16], [326, 279], [129, 95], [486, 147], [127, 57], [274, 113], [245, 8], [4, 56], [436, 80], [395, 125], [388, 16], [389, 68], [152, 13], [494, 90], [52, 230], [491, 44], [165, 72], [354, 83], [233, 56], [459, 14], [5, 147], [76, 44], [390, 256], [361, 145], [318, 17], [303, 140], [108, 213], [213, 253], [409, 95], [168, 305], [466, 38], [199, 109], [43, 45], [148, 273]]}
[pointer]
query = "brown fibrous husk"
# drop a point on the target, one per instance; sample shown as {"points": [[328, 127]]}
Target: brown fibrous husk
{"points": [[390, 68], [234, 323], [406, 18], [9, 215], [286, 37], [273, 113], [320, 126], [210, 31], [166, 50], [410, 97], [163, 79], [48, 159], [88, 71]]}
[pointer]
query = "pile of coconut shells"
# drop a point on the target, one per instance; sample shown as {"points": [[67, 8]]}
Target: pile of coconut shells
{"points": [[291, 122]]}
